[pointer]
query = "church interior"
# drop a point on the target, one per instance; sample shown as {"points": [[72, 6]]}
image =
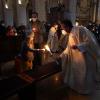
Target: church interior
{"points": [[44, 82]]}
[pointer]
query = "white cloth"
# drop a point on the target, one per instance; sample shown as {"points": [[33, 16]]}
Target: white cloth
{"points": [[54, 43], [79, 65], [52, 40], [63, 41]]}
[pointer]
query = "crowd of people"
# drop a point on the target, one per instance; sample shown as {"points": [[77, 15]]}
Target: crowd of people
{"points": [[77, 46], [95, 29], [79, 52], [7, 31]]}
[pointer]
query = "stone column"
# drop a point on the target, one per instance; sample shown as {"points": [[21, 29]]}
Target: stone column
{"points": [[72, 10], [33, 5], [8, 17], [98, 17], [8, 13], [21, 13], [1, 10], [70, 13], [67, 13], [40, 8]]}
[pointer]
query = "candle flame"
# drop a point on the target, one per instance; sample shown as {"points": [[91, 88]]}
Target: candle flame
{"points": [[19, 2], [43, 49], [48, 49], [33, 29], [6, 6], [56, 78], [77, 23], [38, 49]]}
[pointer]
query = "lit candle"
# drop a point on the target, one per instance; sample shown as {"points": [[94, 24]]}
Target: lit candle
{"points": [[30, 19], [38, 49], [77, 23], [48, 49], [19, 2], [34, 30], [6, 6]]}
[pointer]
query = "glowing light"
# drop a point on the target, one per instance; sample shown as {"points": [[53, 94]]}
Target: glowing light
{"points": [[76, 23], [43, 49], [16, 34], [56, 78], [90, 23], [93, 29], [6, 6], [64, 32], [34, 29], [38, 49], [48, 49], [30, 19], [19, 2]]}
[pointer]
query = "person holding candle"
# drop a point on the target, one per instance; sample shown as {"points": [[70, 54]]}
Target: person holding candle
{"points": [[38, 31], [79, 58], [57, 39], [24, 60]]}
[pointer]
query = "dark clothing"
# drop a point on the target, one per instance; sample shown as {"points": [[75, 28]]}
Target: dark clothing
{"points": [[24, 52], [39, 26], [2, 30], [37, 55]]}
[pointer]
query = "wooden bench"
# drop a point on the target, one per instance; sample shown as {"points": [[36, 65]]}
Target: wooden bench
{"points": [[25, 83]]}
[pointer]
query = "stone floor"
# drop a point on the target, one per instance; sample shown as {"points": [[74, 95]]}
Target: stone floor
{"points": [[53, 88]]}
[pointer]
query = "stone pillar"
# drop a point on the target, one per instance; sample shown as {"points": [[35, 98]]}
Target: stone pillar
{"points": [[70, 12], [95, 10], [67, 4], [21, 14], [98, 17], [1, 10], [8, 17], [40, 8], [33, 5], [66, 13], [8, 13]]}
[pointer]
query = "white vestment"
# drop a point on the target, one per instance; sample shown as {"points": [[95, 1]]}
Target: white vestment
{"points": [[53, 40], [79, 65], [54, 43]]}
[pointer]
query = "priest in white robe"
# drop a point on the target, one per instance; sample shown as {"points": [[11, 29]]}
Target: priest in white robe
{"points": [[79, 59]]}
